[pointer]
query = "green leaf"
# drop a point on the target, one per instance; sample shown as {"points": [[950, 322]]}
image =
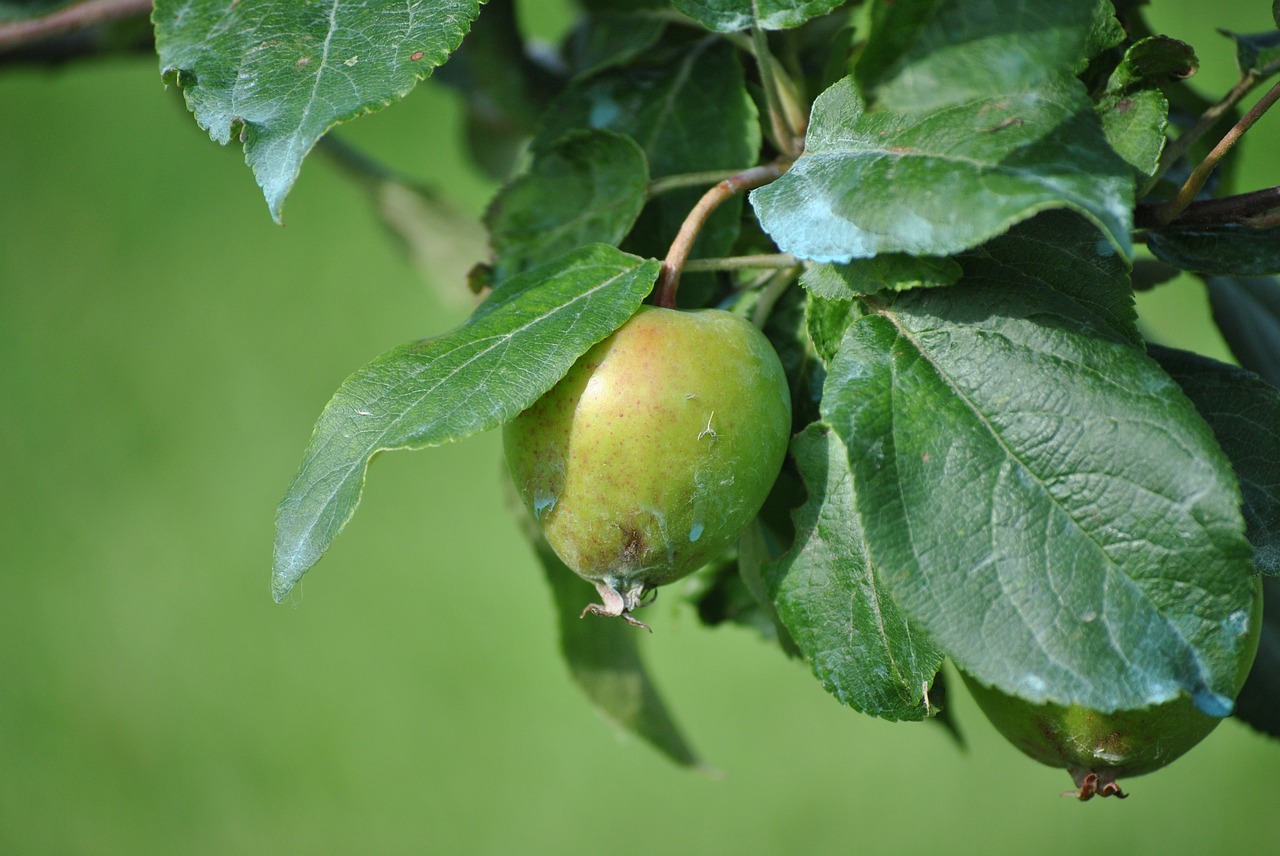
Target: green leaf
{"points": [[926, 54], [604, 660], [1228, 249], [1247, 312], [1256, 51], [1134, 112], [279, 75], [587, 188], [1042, 499], [604, 40], [464, 382], [862, 649], [888, 272], [727, 16], [1244, 412], [933, 184], [1153, 61], [1066, 253], [826, 321], [688, 109], [503, 86]]}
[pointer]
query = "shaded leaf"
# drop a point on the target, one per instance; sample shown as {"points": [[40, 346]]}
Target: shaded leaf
{"points": [[503, 86], [604, 660], [688, 109], [603, 40], [1042, 499], [587, 188], [827, 320], [933, 184], [727, 16], [1228, 249], [926, 54], [861, 648], [888, 272], [1066, 253], [278, 75], [1254, 52], [1247, 312], [438, 390], [1244, 412]]}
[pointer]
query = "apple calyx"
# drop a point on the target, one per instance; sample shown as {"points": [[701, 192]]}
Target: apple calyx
{"points": [[620, 604]]}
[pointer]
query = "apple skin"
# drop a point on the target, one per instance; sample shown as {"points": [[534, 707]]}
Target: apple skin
{"points": [[1097, 748], [655, 451]]}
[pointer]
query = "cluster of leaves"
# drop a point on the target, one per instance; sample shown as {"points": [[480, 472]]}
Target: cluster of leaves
{"points": [[990, 464]]}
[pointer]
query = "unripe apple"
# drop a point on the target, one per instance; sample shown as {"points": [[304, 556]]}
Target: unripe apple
{"points": [[655, 451], [1097, 748]]}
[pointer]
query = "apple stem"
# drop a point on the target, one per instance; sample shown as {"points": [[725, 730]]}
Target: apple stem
{"points": [[673, 265]]}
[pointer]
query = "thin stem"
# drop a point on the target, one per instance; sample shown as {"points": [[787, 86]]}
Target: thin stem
{"points": [[688, 179], [769, 295], [760, 262], [788, 132], [1179, 147], [674, 263], [68, 20], [1199, 175]]}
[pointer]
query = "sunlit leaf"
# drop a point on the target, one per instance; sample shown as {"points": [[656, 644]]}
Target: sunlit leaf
{"points": [[278, 75], [438, 390]]}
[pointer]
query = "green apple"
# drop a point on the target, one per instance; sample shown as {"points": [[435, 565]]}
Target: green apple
{"points": [[1097, 748], [655, 451]]}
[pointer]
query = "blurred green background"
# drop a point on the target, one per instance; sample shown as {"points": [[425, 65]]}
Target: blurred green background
{"points": [[164, 350]]}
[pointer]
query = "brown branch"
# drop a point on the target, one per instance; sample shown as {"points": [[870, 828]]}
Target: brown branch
{"points": [[1187, 193], [69, 19], [1240, 208]]}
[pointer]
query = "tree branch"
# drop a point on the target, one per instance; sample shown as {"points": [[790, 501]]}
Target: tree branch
{"points": [[68, 19], [1187, 193], [1240, 208]]}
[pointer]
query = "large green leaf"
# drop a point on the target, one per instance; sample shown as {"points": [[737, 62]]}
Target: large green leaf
{"points": [[936, 183], [1229, 249], [924, 54], [726, 16], [861, 647], [278, 75], [446, 388], [1042, 499], [587, 188], [1065, 252], [1244, 412]]}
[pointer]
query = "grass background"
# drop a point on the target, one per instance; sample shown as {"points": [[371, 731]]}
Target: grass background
{"points": [[164, 352]]}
